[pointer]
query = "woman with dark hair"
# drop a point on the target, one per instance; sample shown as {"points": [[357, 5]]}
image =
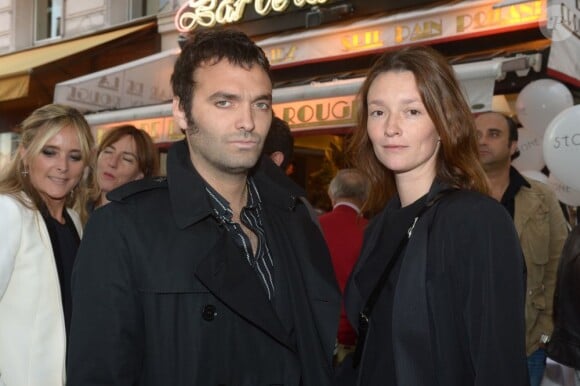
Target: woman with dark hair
{"points": [[438, 291], [40, 237], [124, 154]]}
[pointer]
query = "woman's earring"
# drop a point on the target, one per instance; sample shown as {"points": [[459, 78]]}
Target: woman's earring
{"points": [[24, 172]]}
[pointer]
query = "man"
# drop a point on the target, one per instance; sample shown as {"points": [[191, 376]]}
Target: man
{"points": [[540, 225], [215, 276], [343, 230], [279, 144]]}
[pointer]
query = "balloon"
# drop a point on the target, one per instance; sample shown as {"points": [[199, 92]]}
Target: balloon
{"points": [[564, 193], [562, 147], [540, 101], [530, 147], [535, 175]]}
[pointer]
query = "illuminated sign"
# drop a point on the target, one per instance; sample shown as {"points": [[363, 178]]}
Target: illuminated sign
{"points": [[318, 113], [208, 13], [443, 22]]}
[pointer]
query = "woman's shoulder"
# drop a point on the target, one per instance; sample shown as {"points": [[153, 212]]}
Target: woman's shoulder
{"points": [[15, 201], [470, 206]]}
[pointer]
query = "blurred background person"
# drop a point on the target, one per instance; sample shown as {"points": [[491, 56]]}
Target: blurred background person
{"points": [[343, 230], [540, 224], [564, 347], [40, 236], [279, 144], [125, 154], [439, 285]]}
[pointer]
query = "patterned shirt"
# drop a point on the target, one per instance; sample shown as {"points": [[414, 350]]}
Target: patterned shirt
{"points": [[251, 216]]}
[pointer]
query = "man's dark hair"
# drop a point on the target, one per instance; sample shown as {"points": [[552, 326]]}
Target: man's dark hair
{"points": [[513, 132], [209, 47], [280, 139]]}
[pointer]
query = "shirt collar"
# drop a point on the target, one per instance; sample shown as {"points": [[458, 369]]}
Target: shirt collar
{"points": [[221, 207], [516, 183], [350, 205]]}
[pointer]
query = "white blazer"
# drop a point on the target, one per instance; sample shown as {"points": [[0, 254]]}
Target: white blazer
{"points": [[32, 330]]}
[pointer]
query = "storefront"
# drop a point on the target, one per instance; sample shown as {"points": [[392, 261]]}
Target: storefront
{"points": [[28, 77], [318, 71]]}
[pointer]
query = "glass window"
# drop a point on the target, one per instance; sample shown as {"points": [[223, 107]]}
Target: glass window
{"points": [[140, 8], [48, 18]]}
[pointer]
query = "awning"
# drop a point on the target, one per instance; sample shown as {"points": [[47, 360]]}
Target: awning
{"points": [[15, 68], [142, 82], [318, 105]]}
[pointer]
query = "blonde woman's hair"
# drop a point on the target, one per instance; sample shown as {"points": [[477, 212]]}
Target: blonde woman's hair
{"points": [[36, 130]]}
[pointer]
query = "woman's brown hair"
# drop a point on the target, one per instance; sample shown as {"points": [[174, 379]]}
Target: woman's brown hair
{"points": [[146, 152], [458, 160]]}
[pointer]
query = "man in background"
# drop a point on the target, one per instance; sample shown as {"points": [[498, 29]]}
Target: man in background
{"points": [[540, 225], [279, 144], [343, 230]]}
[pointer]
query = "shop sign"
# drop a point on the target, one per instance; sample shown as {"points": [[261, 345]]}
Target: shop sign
{"points": [[209, 13], [319, 113], [142, 84], [447, 22]]}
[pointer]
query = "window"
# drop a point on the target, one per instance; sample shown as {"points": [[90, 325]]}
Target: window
{"points": [[48, 15], [140, 8]]}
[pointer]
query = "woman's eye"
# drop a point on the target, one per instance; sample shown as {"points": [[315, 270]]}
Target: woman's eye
{"points": [[375, 113], [414, 112], [48, 152], [76, 157], [129, 159]]}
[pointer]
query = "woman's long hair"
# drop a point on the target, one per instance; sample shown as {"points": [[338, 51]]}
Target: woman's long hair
{"points": [[457, 160], [36, 130]]}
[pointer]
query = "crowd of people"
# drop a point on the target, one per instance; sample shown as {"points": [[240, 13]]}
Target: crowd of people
{"points": [[439, 263]]}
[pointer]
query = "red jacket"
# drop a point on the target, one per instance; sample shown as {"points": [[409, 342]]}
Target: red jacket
{"points": [[343, 231]]}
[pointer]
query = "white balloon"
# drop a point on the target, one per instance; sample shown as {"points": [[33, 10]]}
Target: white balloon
{"points": [[535, 175], [564, 193], [562, 147], [531, 153], [540, 101]]}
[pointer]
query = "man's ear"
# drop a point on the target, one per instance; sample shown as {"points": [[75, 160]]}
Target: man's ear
{"points": [[277, 157], [513, 147], [179, 114]]}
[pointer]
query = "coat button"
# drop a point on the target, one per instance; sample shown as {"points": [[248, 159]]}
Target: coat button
{"points": [[208, 312]]}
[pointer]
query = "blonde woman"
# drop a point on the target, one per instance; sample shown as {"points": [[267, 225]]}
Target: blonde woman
{"points": [[40, 236]]}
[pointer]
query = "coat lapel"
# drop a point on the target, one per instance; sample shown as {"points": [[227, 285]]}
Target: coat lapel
{"points": [[411, 329], [526, 204], [231, 279]]}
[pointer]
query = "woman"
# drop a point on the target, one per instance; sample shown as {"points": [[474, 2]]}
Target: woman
{"points": [[40, 237], [125, 154], [450, 310]]}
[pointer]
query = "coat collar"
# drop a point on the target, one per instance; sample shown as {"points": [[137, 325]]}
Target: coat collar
{"points": [[189, 199], [222, 270]]}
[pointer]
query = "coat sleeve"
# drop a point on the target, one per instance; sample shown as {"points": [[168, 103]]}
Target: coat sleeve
{"points": [[491, 270], [106, 338], [11, 230]]}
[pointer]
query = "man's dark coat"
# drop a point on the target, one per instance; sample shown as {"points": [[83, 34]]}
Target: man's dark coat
{"points": [[162, 295]]}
